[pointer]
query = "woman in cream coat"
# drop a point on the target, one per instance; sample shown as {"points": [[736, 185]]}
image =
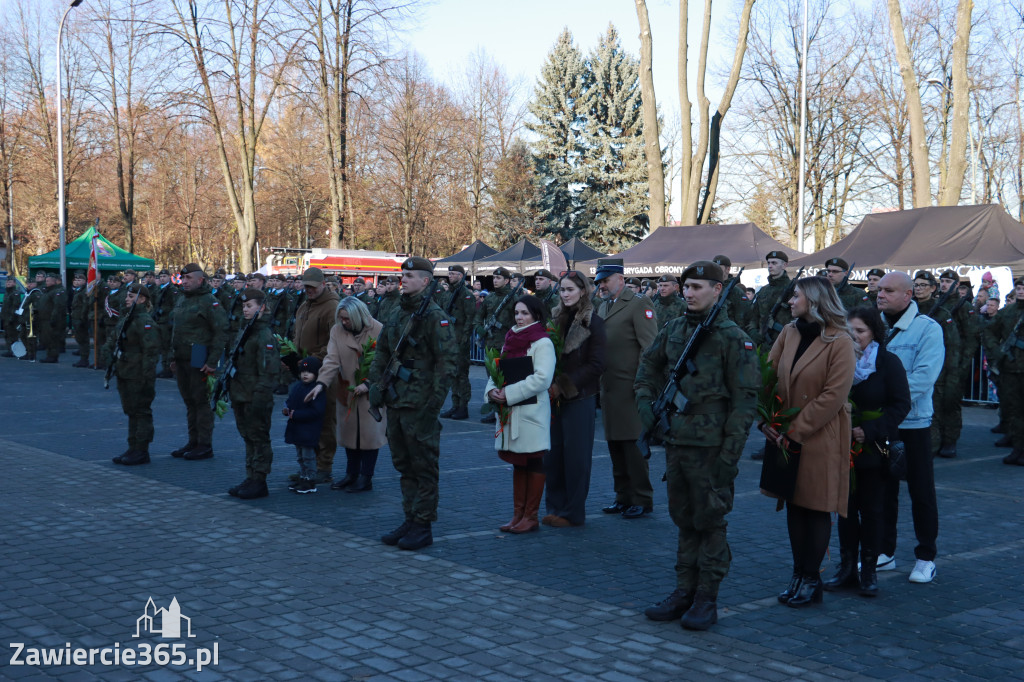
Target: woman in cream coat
{"points": [[358, 433], [525, 437]]}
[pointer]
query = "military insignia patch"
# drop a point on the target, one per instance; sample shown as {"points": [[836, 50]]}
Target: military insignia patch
{"points": [[444, 323], [216, 303], [147, 326], [747, 345], [649, 314]]}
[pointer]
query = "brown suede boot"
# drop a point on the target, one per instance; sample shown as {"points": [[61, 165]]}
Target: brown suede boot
{"points": [[518, 498], [534, 491]]}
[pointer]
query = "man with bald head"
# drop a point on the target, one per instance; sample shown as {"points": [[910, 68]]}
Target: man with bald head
{"points": [[916, 340]]}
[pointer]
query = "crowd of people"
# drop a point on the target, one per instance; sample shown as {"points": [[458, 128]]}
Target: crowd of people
{"points": [[871, 380]]}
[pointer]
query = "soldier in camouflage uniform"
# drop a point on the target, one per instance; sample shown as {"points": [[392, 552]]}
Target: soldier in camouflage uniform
{"points": [[703, 446], [946, 417], [81, 309], [135, 369], [376, 296], [738, 307], [505, 319], [279, 313], [837, 270], [164, 300], [360, 291], [197, 342], [874, 274], [234, 308], [1004, 342], [12, 300], [545, 285], [667, 304], [389, 300], [766, 298], [460, 307], [53, 314], [257, 364], [414, 431], [111, 300]]}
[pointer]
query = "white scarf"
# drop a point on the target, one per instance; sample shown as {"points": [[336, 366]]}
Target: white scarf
{"points": [[866, 363]]}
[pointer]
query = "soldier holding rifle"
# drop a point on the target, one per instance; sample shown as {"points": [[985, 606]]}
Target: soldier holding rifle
{"points": [[496, 316], [718, 384], [769, 312]]}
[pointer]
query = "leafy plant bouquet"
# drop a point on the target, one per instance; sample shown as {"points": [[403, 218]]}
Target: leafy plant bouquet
{"points": [[222, 406], [769, 402], [492, 363], [365, 362]]}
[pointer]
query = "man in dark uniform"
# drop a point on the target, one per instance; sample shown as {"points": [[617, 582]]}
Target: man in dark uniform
{"points": [[359, 290], [460, 307], [389, 300], [164, 300], [874, 274], [703, 446], [634, 285], [81, 307], [667, 304], [252, 398], [738, 307], [494, 338], [12, 301], [963, 314], [630, 327], [54, 315], [135, 369], [545, 285], [837, 270], [946, 419], [234, 308], [29, 319], [760, 327], [111, 299], [1004, 341], [197, 342], [414, 431]]}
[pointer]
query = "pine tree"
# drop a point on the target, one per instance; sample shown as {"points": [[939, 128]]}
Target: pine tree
{"points": [[558, 108], [614, 169], [514, 193]]}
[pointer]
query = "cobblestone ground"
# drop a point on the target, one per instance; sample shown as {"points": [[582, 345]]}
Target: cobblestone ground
{"points": [[296, 586]]}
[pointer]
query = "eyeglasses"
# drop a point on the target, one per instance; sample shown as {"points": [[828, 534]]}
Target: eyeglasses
{"points": [[836, 272], [922, 285]]}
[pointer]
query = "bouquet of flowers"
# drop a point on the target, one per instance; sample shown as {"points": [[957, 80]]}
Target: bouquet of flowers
{"points": [[365, 362], [858, 418], [492, 363], [769, 402], [222, 406]]}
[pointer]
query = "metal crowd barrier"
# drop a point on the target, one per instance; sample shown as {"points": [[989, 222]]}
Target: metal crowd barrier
{"points": [[979, 389], [476, 353]]}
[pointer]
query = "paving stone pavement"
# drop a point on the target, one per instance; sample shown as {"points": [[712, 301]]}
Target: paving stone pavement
{"points": [[293, 586]]}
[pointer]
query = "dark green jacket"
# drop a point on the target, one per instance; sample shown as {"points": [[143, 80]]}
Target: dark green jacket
{"points": [[763, 303], [258, 367], [852, 297], [506, 318], [1003, 337], [950, 332], [668, 308], [140, 347], [164, 300], [198, 320], [12, 300], [460, 306]]}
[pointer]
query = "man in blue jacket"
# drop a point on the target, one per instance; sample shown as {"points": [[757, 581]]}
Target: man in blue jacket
{"points": [[916, 340]]}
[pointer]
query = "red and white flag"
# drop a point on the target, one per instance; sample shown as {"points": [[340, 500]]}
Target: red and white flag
{"points": [[93, 274]]}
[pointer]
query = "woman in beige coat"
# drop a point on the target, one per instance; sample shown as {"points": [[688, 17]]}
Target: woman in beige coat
{"points": [[357, 432], [815, 358]]}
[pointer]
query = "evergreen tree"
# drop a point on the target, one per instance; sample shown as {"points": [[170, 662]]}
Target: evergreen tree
{"points": [[559, 109], [614, 169], [514, 193]]}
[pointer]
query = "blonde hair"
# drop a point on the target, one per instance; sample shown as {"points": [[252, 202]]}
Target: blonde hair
{"points": [[824, 306], [358, 314]]}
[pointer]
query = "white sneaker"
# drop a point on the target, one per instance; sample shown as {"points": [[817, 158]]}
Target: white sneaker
{"points": [[886, 563], [923, 571]]}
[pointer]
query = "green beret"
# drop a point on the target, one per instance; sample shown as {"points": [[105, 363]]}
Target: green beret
{"points": [[669, 278], [950, 274], [139, 288], [838, 263], [253, 295], [457, 268], [417, 263], [877, 272], [703, 269], [781, 255], [721, 260], [925, 274], [191, 267], [545, 273], [502, 272]]}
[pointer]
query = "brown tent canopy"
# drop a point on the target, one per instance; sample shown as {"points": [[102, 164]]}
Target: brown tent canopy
{"points": [[669, 249], [930, 238]]}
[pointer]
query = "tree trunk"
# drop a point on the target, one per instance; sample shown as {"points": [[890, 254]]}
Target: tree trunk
{"points": [[652, 134], [949, 192], [921, 169]]}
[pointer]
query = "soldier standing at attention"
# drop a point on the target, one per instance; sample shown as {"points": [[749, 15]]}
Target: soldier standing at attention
{"points": [[495, 338], [252, 395], [702, 446], [53, 312], [389, 300], [29, 320], [414, 431], [874, 274], [197, 342], [110, 301], [12, 300], [667, 304], [946, 416], [1004, 337], [164, 300], [766, 299], [738, 307], [359, 290], [81, 308], [460, 307], [545, 289], [234, 309], [135, 369], [630, 328], [837, 270]]}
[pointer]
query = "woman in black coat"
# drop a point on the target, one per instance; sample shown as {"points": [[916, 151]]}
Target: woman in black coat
{"points": [[574, 402], [879, 384]]}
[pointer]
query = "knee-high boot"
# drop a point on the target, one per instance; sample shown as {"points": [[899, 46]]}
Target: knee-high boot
{"points": [[534, 491], [519, 483]]}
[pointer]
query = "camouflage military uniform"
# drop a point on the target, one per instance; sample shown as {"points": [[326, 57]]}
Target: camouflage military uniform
{"points": [[947, 419], [233, 315], [52, 315], [81, 307], [414, 431], [460, 306], [738, 306], [164, 300], [760, 311], [495, 338], [386, 304], [550, 298], [12, 299], [702, 447], [1004, 341], [198, 321], [668, 308], [252, 398], [135, 370], [852, 297], [111, 303]]}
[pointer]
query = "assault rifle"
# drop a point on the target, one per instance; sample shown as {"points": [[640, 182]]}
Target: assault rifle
{"points": [[1012, 341], [492, 321], [220, 388], [769, 323], [395, 369], [119, 342], [671, 400], [942, 301], [455, 294]]}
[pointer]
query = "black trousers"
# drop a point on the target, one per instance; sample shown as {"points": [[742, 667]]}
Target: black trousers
{"points": [[862, 526], [921, 486], [809, 530]]}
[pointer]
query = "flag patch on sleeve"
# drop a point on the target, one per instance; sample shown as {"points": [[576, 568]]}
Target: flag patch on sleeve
{"points": [[444, 323], [147, 326], [748, 345], [649, 314]]}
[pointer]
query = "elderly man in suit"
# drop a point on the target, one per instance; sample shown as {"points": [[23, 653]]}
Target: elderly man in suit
{"points": [[631, 326]]}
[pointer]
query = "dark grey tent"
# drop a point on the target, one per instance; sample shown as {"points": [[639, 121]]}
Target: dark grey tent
{"points": [[519, 257], [669, 249], [576, 250], [930, 238], [469, 255]]}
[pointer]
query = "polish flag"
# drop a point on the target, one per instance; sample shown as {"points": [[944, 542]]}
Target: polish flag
{"points": [[93, 274]]}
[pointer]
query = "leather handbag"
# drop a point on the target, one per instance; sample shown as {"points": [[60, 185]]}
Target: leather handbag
{"points": [[895, 453]]}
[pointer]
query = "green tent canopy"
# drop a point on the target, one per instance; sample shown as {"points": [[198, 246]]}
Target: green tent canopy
{"points": [[111, 258]]}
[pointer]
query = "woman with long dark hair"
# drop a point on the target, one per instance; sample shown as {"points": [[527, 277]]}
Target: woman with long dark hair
{"points": [[573, 394], [815, 359]]}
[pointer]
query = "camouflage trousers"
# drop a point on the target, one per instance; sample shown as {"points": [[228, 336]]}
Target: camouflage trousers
{"points": [[137, 403], [461, 390], [698, 510], [415, 451], [1011, 405], [196, 395], [253, 421], [947, 419], [81, 329]]}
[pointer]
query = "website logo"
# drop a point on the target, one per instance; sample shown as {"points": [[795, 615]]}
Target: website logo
{"points": [[164, 622]]}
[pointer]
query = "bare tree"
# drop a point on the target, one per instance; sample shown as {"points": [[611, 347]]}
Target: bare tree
{"points": [[12, 115], [652, 134]]}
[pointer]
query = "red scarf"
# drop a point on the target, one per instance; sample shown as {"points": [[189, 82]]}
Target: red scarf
{"points": [[517, 343]]}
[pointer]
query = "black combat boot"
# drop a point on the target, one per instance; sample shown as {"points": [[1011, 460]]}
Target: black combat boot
{"points": [[447, 414], [868, 577], [180, 452], [1015, 457], [201, 452], [252, 489], [418, 537], [703, 613], [947, 450], [489, 419], [461, 413], [135, 457], [846, 576], [671, 607], [120, 458], [233, 490], [397, 534], [794, 587], [1004, 442], [809, 592]]}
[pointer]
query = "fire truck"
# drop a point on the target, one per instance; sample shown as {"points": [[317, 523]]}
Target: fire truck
{"points": [[346, 265]]}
